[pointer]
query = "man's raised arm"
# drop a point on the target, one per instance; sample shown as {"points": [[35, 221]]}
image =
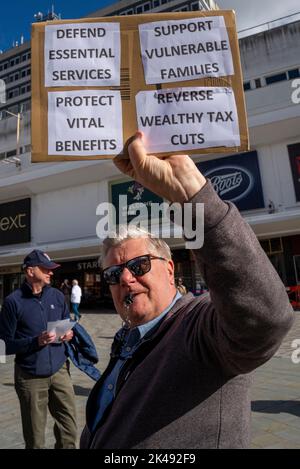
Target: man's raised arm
{"points": [[249, 311]]}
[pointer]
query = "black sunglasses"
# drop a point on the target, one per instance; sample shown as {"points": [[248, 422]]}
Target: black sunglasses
{"points": [[137, 266]]}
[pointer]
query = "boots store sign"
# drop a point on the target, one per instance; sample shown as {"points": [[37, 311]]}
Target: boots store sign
{"points": [[15, 222], [236, 178]]}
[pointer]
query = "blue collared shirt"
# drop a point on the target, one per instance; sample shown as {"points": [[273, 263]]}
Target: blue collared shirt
{"points": [[131, 343]]}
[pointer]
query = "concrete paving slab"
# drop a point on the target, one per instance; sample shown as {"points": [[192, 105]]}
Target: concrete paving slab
{"points": [[275, 392]]}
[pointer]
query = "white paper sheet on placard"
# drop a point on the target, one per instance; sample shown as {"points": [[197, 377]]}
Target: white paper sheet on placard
{"points": [[84, 123], [186, 49], [82, 54], [60, 327], [179, 119]]}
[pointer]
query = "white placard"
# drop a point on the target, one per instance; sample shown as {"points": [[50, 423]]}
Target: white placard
{"points": [[84, 123], [186, 49], [82, 54], [188, 118]]}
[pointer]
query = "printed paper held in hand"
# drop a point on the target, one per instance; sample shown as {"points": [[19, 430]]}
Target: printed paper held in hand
{"points": [[60, 327]]}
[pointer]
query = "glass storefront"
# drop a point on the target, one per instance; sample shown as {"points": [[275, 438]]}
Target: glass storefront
{"points": [[297, 268], [187, 269], [284, 254], [95, 292], [8, 283]]}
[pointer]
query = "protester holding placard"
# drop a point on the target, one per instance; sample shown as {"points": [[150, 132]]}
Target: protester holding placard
{"points": [[179, 374], [42, 378]]}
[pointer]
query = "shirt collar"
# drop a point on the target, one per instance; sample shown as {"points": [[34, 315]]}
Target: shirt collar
{"points": [[27, 288]]}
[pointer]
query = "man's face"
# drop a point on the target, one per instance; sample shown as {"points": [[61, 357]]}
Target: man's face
{"points": [[152, 292], [39, 275]]}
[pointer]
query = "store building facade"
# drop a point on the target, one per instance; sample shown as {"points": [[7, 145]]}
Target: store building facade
{"points": [[264, 183]]}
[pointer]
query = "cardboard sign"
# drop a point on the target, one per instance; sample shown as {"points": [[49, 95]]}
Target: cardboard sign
{"points": [[183, 50], [82, 54], [80, 122], [176, 76], [180, 118]]}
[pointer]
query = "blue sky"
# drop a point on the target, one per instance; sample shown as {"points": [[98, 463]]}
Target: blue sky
{"points": [[16, 16]]}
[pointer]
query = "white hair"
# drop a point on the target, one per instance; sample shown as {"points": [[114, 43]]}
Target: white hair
{"points": [[156, 245]]}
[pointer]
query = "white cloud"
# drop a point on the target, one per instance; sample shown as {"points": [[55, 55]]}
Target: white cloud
{"points": [[257, 11]]}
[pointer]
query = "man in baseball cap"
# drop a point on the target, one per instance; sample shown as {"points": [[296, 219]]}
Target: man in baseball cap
{"points": [[42, 376], [39, 258]]}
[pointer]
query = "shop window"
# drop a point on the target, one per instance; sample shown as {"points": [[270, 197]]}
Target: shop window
{"points": [[275, 78], [257, 83], [13, 109], [195, 6], [297, 268], [293, 74], [272, 246], [11, 153]]}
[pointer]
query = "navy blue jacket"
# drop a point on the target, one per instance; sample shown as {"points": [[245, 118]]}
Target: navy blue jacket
{"points": [[23, 318], [82, 351]]}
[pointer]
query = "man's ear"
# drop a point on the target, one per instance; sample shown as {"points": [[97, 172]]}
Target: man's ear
{"points": [[170, 268], [29, 272]]}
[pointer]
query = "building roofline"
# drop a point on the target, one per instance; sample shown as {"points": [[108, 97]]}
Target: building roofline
{"points": [[127, 4], [15, 50], [269, 25]]}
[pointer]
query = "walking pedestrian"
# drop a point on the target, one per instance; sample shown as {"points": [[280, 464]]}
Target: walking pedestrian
{"points": [[181, 287], [76, 299], [66, 289]]}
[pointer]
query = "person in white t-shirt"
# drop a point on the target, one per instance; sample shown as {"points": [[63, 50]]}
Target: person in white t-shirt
{"points": [[75, 299]]}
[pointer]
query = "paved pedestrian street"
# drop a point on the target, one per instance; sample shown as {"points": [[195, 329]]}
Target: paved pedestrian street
{"points": [[275, 394]]}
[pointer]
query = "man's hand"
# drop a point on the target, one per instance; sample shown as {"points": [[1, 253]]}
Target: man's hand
{"points": [[175, 178], [46, 338], [68, 336]]}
